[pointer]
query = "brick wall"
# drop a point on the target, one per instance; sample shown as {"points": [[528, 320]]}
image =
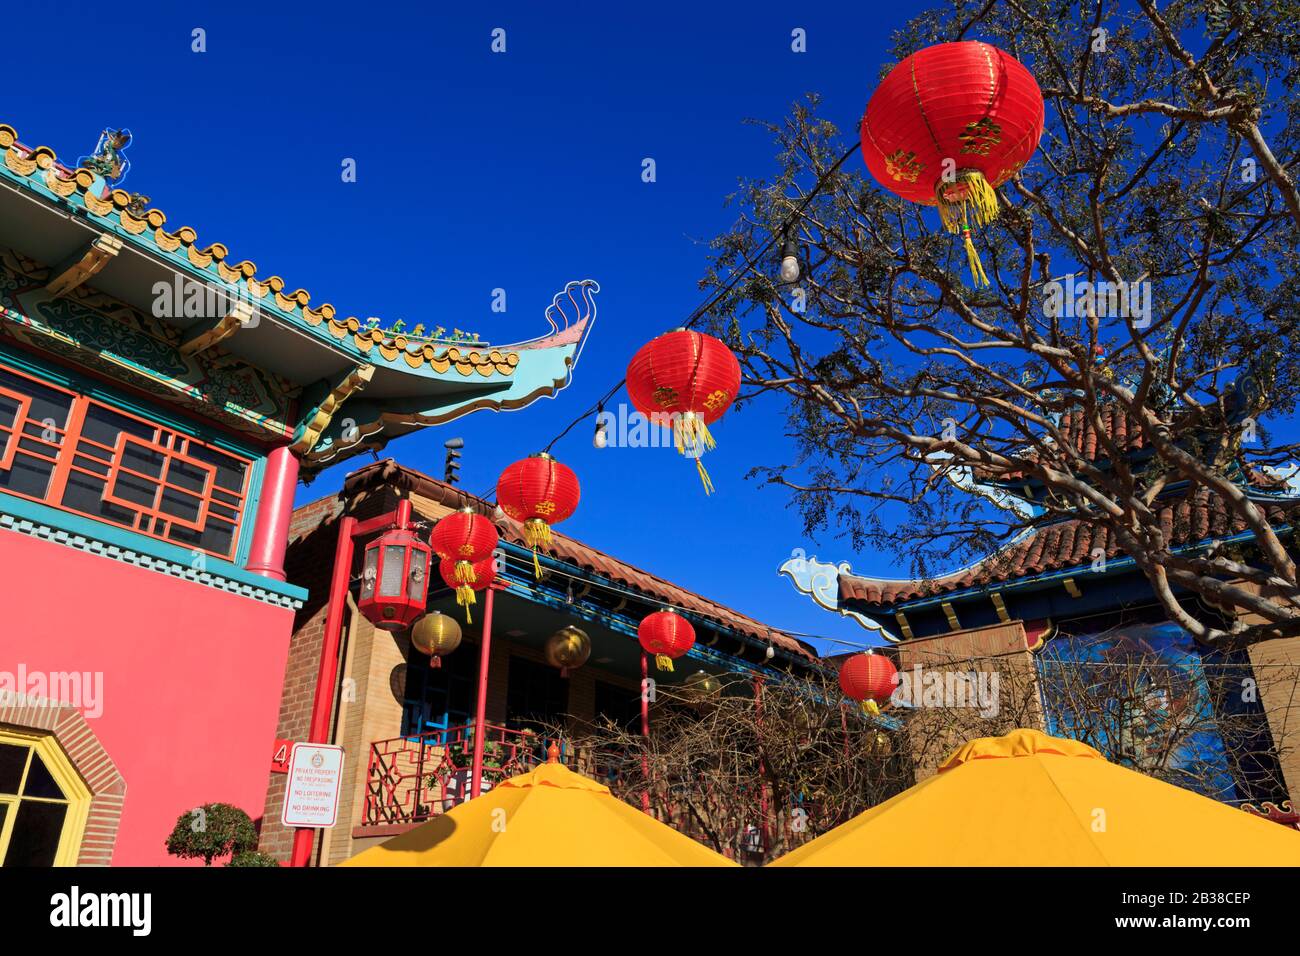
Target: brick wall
{"points": [[998, 649]]}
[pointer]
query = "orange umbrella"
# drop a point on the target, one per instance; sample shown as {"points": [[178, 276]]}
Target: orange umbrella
{"points": [[548, 817], [1027, 799]]}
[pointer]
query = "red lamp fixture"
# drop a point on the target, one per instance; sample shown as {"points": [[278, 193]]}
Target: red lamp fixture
{"points": [[483, 573], [688, 380], [949, 125], [540, 492], [869, 679], [464, 538], [394, 579], [667, 635]]}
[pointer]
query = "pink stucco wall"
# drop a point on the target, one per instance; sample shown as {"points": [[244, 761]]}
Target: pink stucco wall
{"points": [[191, 678]]}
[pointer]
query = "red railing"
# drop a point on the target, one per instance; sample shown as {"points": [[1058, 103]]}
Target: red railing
{"points": [[415, 778], [418, 777]]}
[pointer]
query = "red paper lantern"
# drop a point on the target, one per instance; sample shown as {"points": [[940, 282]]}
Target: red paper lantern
{"points": [[667, 636], [540, 492], [464, 538], [394, 579], [483, 573], [948, 126], [687, 380], [869, 679]]}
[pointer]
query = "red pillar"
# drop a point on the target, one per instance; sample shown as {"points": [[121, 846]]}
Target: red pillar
{"points": [[327, 672], [274, 509], [480, 708], [645, 728]]}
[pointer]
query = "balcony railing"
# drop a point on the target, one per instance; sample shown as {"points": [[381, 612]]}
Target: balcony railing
{"points": [[413, 779], [418, 777]]}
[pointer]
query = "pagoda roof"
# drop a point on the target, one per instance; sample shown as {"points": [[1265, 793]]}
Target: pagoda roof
{"points": [[401, 381], [389, 473], [1081, 437], [1058, 546]]}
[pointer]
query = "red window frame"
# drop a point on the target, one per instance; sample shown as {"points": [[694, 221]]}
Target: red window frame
{"points": [[104, 463], [13, 434], [117, 469]]}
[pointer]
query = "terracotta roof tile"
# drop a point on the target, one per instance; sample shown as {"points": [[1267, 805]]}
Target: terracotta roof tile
{"points": [[1054, 547]]}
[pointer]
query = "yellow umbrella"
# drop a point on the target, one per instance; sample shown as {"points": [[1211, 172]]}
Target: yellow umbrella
{"points": [[1027, 799], [548, 817]]}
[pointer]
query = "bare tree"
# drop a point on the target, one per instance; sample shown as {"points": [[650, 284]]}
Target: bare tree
{"points": [[1166, 174], [751, 777], [1191, 721], [754, 777]]}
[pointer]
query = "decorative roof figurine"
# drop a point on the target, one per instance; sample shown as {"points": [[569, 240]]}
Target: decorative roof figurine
{"points": [[109, 159]]}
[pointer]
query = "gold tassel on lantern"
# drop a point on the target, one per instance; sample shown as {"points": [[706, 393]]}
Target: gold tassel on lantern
{"points": [[664, 662], [464, 573], [956, 200], [537, 534], [465, 597], [871, 707], [693, 439]]}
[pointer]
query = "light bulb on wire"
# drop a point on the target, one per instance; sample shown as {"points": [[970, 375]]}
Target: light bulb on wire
{"points": [[789, 259], [601, 438]]}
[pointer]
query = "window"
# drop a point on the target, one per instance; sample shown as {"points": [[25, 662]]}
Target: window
{"points": [[440, 697], [77, 454], [43, 802], [536, 694], [620, 704]]}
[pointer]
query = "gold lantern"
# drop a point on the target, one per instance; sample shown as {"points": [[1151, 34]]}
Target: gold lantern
{"points": [[568, 648], [701, 688], [437, 635]]}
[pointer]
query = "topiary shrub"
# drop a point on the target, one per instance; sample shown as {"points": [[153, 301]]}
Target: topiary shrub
{"points": [[253, 858], [210, 831]]}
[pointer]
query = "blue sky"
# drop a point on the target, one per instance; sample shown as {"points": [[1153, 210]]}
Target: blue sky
{"points": [[478, 171]]}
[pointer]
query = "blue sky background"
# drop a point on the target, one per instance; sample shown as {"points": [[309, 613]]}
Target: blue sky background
{"points": [[477, 171]]}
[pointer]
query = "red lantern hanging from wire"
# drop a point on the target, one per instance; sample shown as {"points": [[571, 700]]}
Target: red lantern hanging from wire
{"points": [[949, 125], [869, 679], [484, 572], [667, 635], [465, 538], [687, 380], [540, 492]]}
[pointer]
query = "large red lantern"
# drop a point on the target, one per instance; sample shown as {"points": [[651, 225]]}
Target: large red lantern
{"points": [[464, 538], [540, 492], [948, 126], [394, 579], [687, 380], [869, 679], [483, 573], [667, 636]]}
